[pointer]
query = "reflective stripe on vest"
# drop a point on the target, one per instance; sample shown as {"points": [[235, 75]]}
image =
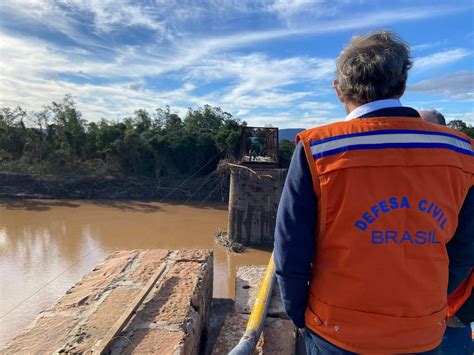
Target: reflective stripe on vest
{"points": [[389, 139], [389, 191]]}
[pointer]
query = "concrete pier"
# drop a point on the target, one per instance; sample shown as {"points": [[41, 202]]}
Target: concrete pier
{"points": [[171, 319], [253, 204]]}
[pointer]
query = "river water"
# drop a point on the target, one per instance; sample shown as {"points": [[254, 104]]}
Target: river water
{"points": [[46, 246]]}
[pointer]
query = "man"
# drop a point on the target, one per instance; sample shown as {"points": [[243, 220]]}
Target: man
{"points": [[433, 116], [457, 339], [375, 214]]}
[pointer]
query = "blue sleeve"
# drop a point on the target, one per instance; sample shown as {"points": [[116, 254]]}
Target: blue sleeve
{"points": [[295, 243], [461, 247]]}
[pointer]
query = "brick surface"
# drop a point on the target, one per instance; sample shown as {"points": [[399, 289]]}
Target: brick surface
{"points": [[87, 290], [99, 322], [172, 301], [195, 255], [154, 341], [44, 337], [180, 303], [170, 321], [149, 263]]}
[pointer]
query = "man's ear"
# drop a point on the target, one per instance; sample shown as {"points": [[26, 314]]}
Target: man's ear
{"points": [[338, 93]]}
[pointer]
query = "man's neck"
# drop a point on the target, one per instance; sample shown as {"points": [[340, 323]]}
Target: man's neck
{"points": [[356, 110], [351, 106]]}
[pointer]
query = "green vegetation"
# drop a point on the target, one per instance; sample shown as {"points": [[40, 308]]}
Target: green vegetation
{"points": [[285, 151], [58, 142], [463, 127]]}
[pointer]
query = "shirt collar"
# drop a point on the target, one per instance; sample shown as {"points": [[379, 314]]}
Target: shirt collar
{"points": [[373, 106]]}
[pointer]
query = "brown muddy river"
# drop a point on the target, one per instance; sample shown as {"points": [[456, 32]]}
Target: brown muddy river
{"points": [[46, 246]]}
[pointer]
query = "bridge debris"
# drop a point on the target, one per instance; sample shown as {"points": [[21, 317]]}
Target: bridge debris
{"points": [[221, 237], [278, 336], [247, 284], [170, 320]]}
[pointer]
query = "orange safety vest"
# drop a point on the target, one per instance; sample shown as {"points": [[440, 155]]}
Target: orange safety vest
{"points": [[389, 192]]}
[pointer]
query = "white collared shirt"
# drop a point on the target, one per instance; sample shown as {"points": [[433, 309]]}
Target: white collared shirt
{"points": [[373, 106]]}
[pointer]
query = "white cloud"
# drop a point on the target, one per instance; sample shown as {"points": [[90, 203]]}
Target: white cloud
{"points": [[364, 20], [253, 81], [287, 9], [263, 82], [107, 14], [268, 72], [102, 16], [459, 85], [47, 15], [281, 120], [440, 58], [35, 72], [265, 99], [293, 119], [259, 81], [242, 112], [30, 77], [317, 106], [174, 22], [425, 46]]}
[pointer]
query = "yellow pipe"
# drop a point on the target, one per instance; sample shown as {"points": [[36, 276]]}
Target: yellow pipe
{"points": [[256, 321], [259, 310]]}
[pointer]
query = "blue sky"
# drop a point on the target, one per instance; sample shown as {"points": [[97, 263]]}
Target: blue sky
{"points": [[266, 62]]}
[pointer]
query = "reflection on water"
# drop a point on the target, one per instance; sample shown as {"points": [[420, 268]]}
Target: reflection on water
{"points": [[46, 246]]}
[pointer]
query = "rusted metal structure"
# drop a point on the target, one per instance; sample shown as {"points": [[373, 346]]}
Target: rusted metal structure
{"points": [[259, 147], [256, 183]]}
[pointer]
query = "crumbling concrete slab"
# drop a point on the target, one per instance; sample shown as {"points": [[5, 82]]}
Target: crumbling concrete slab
{"points": [[97, 324], [247, 284], [44, 336], [171, 319], [220, 309], [278, 336], [181, 303], [94, 284], [230, 334], [154, 341]]}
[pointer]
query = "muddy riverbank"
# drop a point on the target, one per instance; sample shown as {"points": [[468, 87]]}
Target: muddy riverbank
{"points": [[213, 187]]}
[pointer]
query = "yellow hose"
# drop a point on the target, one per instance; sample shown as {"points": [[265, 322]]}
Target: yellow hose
{"points": [[256, 321], [263, 298]]}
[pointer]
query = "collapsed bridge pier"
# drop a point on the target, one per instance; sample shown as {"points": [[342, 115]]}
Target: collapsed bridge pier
{"points": [[154, 301], [139, 301]]}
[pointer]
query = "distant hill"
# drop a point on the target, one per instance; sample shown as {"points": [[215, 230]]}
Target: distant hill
{"points": [[288, 133]]}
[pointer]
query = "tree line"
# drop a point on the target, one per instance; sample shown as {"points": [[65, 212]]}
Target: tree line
{"points": [[462, 126], [57, 141]]}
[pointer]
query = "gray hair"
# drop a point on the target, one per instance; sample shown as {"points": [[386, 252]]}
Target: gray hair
{"points": [[433, 116], [373, 67]]}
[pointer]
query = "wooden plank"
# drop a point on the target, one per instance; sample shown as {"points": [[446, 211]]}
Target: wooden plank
{"points": [[119, 325]]}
